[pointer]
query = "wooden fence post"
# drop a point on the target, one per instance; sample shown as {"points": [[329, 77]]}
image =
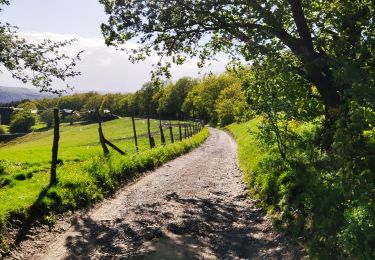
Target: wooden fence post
{"points": [[162, 138], [191, 131], [101, 135], [180, 131], [185, 128], [55, 146], [150, 138], [135, 134], [171, 132]]}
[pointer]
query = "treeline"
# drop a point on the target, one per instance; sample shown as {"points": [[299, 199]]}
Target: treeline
{"points": [[217, 99]]}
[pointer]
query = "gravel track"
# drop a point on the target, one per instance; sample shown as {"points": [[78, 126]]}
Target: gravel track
{"points": [[194, 207]]}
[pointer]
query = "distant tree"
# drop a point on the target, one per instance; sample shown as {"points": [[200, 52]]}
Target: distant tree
{"points": [[174, 95], [46, 103], [47, 117], [21, 122], [148, 102], [73, 102], [44, 60], [94, 101], [201, 100], [231, 105]]}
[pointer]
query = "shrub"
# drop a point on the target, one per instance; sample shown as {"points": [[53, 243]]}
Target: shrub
{"points": [[2, 131], [230, 105], [22, 122]]}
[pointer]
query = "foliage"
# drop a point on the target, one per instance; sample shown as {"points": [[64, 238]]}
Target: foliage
{"points": [[2, 130], [47, 117], [326, 198], [281, 98], [200, 101], [45, 60], [174, 95], [324, 39], [231, 105], [21, 122]]}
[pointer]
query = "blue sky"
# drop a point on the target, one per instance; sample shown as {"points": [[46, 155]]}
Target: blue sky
{"points": [[103, 69]]}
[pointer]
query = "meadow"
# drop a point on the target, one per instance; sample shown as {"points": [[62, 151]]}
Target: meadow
{"points": [[31, 154]]}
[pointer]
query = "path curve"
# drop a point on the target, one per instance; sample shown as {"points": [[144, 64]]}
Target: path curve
{"points": [[194, 207]]}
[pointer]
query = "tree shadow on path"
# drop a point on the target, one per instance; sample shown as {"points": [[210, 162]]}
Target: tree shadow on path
{"points": [[204, 228]]}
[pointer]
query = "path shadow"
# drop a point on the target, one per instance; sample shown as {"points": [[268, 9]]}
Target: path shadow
{"points": [[221, 227]]}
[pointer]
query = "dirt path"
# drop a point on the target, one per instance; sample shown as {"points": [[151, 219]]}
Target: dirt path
{"points": [[194, 207]]}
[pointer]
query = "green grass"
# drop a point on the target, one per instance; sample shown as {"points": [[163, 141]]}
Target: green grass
{"points": [[250, 150], [87, 175], [78, 142], [31, 154]]}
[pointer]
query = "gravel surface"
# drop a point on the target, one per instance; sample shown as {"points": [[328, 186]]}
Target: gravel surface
{"points": [[194, 207]]}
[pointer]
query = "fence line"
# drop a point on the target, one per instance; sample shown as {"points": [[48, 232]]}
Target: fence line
{"points": [[191, 127]]}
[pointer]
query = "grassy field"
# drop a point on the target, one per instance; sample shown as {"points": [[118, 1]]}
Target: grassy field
{"points": [[31, 154], [78, 142], [86, 174]]}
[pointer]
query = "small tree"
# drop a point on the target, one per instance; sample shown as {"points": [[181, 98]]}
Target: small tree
{"points": [[47, 117], [231, 105], [22, 122]]}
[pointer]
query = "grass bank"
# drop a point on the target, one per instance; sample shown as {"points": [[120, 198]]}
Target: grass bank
{"points": [[250, 150], [81, 183], [325, 203]]}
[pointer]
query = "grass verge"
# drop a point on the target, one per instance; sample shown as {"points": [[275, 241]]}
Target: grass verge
{"points": [[250, 150]]}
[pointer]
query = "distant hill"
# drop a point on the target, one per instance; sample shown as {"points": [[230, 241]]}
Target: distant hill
{"points": [[10, 94]]}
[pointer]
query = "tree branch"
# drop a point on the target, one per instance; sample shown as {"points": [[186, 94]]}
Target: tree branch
{"points": [[302, 27]]}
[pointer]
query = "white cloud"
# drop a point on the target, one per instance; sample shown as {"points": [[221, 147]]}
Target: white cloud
{"points": [[107, 70]]}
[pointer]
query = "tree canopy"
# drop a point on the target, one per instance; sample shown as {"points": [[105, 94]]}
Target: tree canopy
{"points": [[319, 40]]}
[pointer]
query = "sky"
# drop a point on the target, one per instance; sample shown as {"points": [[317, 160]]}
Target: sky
{"points": [[103, 69]]}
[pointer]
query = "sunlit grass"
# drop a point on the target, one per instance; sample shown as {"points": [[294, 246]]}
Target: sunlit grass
{"points": [[250, 149]]}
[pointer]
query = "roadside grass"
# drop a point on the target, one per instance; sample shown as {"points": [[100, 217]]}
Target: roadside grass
{"points": [[250, 149], [87, 178]]}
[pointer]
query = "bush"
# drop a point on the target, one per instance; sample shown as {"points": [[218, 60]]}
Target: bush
{"points": [[2, 131], [230, 105], [21, 122]]}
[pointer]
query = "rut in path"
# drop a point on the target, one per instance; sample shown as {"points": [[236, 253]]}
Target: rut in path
{"points": [[194, 207]]}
